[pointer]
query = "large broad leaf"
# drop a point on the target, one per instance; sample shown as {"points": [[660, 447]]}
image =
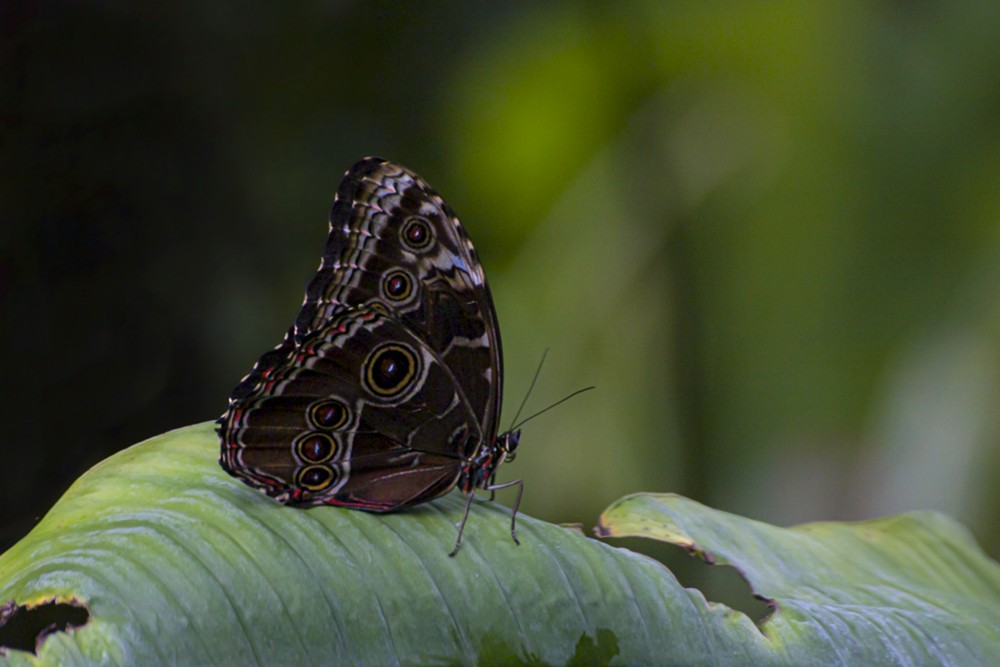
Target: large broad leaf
{"points": [[156, 556], [907, 590]]}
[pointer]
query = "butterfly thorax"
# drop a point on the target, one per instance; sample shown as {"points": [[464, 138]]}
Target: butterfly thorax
{"points": [[481, 471]]}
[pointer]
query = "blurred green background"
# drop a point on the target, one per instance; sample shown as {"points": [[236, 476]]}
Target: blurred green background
{"points": [[769, 232]]}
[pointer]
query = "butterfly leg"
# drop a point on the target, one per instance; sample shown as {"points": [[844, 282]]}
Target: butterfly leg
{"points": [[461, 526], [519, 483], [492, 486]]}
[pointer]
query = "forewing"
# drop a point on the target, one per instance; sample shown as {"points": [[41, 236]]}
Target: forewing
{"points": [[395, 241]]}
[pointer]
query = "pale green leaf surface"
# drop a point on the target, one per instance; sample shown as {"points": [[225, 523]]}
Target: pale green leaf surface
{"points": [[913, 589], [178, 563]]}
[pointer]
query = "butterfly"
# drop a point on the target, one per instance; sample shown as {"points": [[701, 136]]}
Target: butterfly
{"points": [[386, 391]]}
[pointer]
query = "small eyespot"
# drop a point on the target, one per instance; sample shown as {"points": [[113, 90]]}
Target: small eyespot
{"points": [[397, 285], [389, 370], [317, 477], [329, 414], [416, 234], [316, 447]]}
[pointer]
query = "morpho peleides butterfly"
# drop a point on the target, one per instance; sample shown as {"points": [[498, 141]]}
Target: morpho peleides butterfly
{"points": [[386, 391]]}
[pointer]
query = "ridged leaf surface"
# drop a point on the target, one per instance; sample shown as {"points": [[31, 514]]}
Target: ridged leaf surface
{"points": [[179, 563]]}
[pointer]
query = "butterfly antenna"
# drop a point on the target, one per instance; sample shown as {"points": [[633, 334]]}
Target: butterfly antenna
{"points": [[561, 400], [530, 387]]}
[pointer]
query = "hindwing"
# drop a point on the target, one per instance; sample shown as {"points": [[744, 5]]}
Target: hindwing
{"points": [[362, 413]]}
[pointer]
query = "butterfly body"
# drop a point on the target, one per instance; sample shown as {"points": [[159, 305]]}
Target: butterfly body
{"points": [[386, 391]]}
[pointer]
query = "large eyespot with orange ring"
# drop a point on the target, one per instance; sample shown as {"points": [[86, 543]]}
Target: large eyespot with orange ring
{"points": [[389, 370], [329, 414], [397, 285], [416, 234], [316, 447], [317, 477]]}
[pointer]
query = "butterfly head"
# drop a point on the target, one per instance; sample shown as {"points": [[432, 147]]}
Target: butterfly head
{"points": [[507, 445]]}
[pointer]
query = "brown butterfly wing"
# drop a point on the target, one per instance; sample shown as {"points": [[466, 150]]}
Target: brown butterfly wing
{"points": [[362, 413], [399, 278]]}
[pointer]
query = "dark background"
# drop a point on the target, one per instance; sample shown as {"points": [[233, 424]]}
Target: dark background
{"points": [[768, 232]]}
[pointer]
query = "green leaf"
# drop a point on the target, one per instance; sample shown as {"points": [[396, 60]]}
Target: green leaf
{"points": [[913, 589], [176, 562]]}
